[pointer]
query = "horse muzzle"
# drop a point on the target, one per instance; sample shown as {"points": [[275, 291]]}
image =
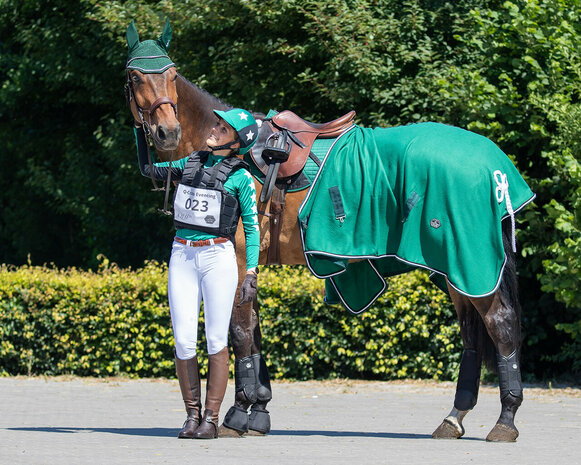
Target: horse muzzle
{"points": [[165, 137]]}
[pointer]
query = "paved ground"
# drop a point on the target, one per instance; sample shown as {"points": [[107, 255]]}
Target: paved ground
{"points": [[90, 421]]}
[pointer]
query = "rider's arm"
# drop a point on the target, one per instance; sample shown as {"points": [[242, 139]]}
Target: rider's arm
{"points": [[248, 213], [159, 169]]}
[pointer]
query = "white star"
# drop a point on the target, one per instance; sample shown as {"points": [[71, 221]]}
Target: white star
{"points": [[249, 135], [243, 116], [257, 228]]}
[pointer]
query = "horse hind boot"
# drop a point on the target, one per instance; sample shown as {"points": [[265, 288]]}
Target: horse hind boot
{"points": [[468, 381], [511, 397], [189, 381], [465, 399]]}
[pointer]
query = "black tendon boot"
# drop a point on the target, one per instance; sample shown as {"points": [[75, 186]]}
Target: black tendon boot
{"points": [[511, 397], [252, 388], [189, 379], [215, 391]]}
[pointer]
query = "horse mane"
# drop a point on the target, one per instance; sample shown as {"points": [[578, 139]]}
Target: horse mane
{"points": [[215, 102], [205, 94]]}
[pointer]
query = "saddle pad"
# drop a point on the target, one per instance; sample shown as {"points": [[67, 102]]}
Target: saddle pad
{"points": [[425, 195]]}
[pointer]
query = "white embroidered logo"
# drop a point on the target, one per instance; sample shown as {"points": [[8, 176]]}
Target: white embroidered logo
{"points": [[501, 192], [501, 185]]}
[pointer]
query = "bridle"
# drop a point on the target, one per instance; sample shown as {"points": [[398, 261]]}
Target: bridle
{"points": [[130, 97]]}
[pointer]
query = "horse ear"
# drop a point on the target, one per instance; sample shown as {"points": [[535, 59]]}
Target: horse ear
{"points": [[165, 37], [132, 36]]}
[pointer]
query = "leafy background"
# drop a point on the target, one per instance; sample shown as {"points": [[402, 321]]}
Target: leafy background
{"points": [[511, 71]]}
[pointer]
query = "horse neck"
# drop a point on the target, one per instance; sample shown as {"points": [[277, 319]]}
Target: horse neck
{"points": [[196, 117]]}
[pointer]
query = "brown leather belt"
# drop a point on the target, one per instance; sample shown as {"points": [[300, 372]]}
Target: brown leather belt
{"points": [[218, 240]]}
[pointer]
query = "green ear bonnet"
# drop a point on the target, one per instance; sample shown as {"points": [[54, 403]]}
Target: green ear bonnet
{"points": [[149, 56]]}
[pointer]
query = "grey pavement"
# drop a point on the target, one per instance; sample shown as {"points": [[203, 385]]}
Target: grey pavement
{"points": [[116, 421]]}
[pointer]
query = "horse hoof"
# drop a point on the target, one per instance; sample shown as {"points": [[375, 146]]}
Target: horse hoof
{"points": [[252, 432], [225, 432], [502, 433], [448, 430]]}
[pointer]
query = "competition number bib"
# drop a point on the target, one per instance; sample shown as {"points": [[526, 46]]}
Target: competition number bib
{"points": [[197, 207]]}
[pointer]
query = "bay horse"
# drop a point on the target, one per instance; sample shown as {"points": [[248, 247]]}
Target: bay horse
{"points": [[180, 116]]}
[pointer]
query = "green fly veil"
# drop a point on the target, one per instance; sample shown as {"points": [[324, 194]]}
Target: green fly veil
{"points": [[149, 56]]}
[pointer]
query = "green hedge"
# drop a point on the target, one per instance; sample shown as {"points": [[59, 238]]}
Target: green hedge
{"points": [[116, 322]]}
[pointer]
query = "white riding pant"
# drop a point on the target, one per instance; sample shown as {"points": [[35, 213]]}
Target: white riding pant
{"points": [[197, 274]]}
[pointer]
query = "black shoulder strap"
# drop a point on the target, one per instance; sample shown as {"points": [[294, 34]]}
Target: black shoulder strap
{"points": [[195, 161], [222, 170]]}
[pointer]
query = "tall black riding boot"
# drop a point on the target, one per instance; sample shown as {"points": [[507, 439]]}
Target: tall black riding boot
{"points": [[215, 391], [189, 379]]}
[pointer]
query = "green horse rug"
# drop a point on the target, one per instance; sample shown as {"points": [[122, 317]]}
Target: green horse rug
{"points": [[388, 200]]}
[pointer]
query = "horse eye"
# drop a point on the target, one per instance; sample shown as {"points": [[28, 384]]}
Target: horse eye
{"points": [[136, 79]]}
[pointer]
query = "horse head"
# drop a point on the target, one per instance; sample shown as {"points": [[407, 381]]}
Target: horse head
{"points": [[151, 87]]}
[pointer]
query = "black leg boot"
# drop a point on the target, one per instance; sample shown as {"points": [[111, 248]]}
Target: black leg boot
{"points": [[189, 379]]}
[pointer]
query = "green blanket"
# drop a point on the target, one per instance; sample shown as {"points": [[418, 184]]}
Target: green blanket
{"points": [[425, 195]]}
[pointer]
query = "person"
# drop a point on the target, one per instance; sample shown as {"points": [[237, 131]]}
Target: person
{"points": [[214, 190]]}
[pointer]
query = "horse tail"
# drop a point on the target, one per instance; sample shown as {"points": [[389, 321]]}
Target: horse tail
{"points": [[509, 283], [486, 347], [509, 299]]}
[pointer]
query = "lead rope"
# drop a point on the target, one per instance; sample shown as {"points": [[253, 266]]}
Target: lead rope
{"points": [[502, 194], [165, 211]]}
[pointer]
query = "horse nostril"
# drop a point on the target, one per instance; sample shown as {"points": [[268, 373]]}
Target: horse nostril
{"points": [[161, 135]]}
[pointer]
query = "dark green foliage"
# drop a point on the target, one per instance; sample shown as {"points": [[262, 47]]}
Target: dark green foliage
{"points": [[116, 322], [511, 71], [411, 332]]}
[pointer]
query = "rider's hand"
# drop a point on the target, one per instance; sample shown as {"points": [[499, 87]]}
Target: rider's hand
{"points": [[248, 288]]}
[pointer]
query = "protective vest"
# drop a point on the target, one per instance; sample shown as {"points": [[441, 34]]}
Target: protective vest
{"points": [[201, 202]]}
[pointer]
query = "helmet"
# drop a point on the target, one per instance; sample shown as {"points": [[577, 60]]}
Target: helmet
{"points": [[244, 124]]}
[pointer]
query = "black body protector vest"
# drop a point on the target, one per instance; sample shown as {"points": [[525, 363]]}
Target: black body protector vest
{"points": [[201, 202]]}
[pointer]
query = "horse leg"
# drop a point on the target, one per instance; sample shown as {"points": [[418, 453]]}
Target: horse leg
{"points": [[502, 321], [501, 314], [252, 382], [471, 330]]}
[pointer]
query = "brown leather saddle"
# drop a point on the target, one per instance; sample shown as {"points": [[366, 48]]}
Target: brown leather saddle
{"points": [[284, 143], [280, 153]]}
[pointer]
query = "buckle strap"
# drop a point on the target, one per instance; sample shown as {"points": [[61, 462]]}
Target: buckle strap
{"points": [[217, 240]]}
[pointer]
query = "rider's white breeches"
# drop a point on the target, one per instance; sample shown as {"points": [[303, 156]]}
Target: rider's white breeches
{"points": [[198, 274]]}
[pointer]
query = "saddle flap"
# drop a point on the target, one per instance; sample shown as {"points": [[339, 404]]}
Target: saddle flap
{"points": [[297, 155], [297, 143], [288, 120]]}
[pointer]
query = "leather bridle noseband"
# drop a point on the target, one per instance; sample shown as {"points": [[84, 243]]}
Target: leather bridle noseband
{"points": [[130, 97]]}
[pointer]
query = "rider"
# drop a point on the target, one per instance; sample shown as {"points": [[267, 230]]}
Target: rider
{"points": [[215, 189]]}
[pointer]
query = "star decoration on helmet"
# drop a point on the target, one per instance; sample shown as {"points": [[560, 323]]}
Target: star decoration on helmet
{"points": [[249, 135], [243, 116]]}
